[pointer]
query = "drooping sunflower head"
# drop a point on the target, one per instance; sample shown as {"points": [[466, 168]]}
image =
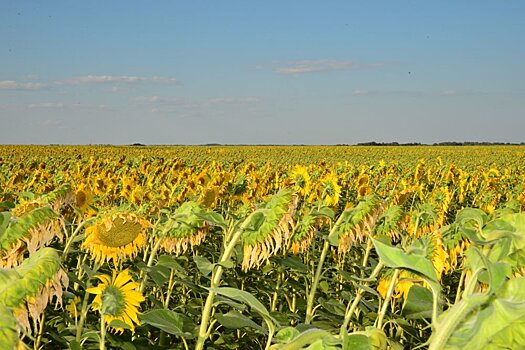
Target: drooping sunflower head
{"points": [[115, 237], [184, 228], [25, 206], [117, 298], [358, 222], [303, 234], [209, 196], [83, 197], [267, 230]]}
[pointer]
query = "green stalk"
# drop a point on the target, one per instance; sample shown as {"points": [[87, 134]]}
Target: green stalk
{"points": [[83, 315], [271, 332], [40, 331], [386, 302], [73, 235], [355, 303], [455, 315], [149, 264], [102, 333], [461, 280], [215, 281], [317, 276]]}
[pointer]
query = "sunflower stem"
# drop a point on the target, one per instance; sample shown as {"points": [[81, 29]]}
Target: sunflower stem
{"points": [[149, 264], [82, 319], [318, 273], [359, 294], [215, 281], [317, 277], [102, 333], [72, 237], [388, 296], [40, 331]]}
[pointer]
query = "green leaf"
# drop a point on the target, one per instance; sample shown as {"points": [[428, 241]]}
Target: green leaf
{"points": [[74, 345], [226, 264], [371, 339], [235, 320], [309, 337], [285, 335], [21, 228], [159, 274], [7, 205], [418, 303], [243, 297], [396, 258], [325, 211], [214, 219], [485, 322], [358, 342], [4, 221], [8, 329], [169, 262], [204, 265], [169, 321], [119, 324], [294, 263]]}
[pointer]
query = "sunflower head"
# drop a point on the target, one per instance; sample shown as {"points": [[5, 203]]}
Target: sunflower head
{"points": [[83, 197], [209, 196], [266, 230], [25, 206], [330, 190], [115, 237], [301, 180], [117, 298]]}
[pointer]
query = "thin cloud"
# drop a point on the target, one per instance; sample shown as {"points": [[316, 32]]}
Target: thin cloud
{"points": [[115, 79], [232, 100], [449, 92], [52, 123], [45, 105], [311, 66], [16, 85], [362, 92]]}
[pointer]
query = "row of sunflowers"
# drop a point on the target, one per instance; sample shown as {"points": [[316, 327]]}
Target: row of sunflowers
{"points": [[242, 247]]}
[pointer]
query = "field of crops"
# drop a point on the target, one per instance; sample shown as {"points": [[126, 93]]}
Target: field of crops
{"points": [[262, 247]]}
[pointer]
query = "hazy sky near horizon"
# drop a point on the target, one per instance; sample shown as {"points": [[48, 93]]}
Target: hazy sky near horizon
{"points": [[261, 72]]}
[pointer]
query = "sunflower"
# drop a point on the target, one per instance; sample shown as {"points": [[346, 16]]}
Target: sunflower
{"points": [[116, 237], [83, 197], [301, 180], [330, 190], [209, 196], [184, 229], [117, 298]]}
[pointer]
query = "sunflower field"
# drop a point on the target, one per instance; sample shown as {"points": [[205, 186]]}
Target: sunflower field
{"points": [[262, 247]]}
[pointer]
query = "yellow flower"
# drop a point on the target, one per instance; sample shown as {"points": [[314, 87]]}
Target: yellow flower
{"points": [[117, 298], [116, 237], [402, 285], [301, 180], [83, 197], [330, 190]]}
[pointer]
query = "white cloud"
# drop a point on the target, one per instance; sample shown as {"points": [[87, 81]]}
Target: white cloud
{"points": [[16, 85], [361, 92], [449, 92], [52, 123], [309, 66], [45, 105], [115, 79], [232, 100]]}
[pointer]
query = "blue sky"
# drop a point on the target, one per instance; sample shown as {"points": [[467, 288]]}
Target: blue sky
{"points": [[261, 72]]}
